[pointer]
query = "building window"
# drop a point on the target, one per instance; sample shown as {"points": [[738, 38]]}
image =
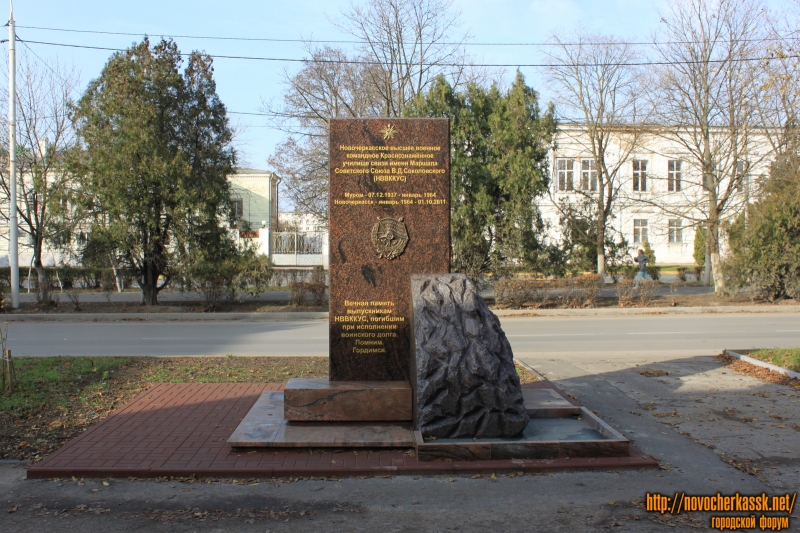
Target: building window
{"points": [[639, 230], [674, 175], [238, 207], [588, 175], [741, 169], [675, 231], [566, 174], [639, 175]]}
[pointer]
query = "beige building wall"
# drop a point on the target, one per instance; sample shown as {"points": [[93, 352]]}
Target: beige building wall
{"points": [[255, 190], [257, 193]]}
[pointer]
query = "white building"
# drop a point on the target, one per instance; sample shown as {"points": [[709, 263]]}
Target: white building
{"points": [[294, 221], [661, 194], [302, 241], [255, 198]]}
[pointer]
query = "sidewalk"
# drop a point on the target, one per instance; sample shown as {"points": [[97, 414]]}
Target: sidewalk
{"points": [[667, 414], [311, 315]]}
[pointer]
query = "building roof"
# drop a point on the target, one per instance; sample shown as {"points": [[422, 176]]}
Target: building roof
{"points": [[248, 170]]}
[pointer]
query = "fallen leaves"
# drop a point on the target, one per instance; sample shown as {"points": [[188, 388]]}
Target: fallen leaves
{"points": [[199, 515], [653, 373], [764, 374]]}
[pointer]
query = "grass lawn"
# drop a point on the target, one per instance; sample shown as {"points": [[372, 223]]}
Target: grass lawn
{"points": [[788, 358], [59, 397]]}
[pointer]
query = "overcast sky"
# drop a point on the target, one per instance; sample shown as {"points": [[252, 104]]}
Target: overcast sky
{"points": [[243, 85]]}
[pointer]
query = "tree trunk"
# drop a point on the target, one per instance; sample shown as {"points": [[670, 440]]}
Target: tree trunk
{"points": [[117, 275], [42, 284], [150, 294], [716, 267], [148, 281], [601, 239]]}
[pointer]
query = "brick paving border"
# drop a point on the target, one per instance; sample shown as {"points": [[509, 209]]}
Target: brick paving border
{"points": [[181, 430]]}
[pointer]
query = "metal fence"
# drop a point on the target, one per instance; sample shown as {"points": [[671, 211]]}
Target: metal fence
{"points": [[297, 242]]}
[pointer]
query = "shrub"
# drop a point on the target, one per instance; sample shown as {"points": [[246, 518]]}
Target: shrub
{"points": [[515, 292], [654, 272], [317, 290], [651, 255], [629, 271], [765, 252], [682, 273], [299, 290], [512, 292], [74, 297], [213, 280], [219, 280], [699, 253], [629, 296], [647, 291], [108, 281], [318, 274], [698, 273], [253, 273], [580, 291], [626, 294]]}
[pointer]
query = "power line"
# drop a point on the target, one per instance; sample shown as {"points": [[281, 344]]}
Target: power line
{"points": [[334, 41], [493, 65], [264, 39]]}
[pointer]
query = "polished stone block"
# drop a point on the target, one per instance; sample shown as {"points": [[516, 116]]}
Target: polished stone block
{"points": [[265, 427], [547, 403], [316, 400], [543, 438], [389, 218]]}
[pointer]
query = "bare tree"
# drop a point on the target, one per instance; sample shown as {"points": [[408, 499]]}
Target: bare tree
{"points": [[404, 46], [778, 106], [597, 88], [409, 43], [330, 85], [705, 98], [45, 133]]}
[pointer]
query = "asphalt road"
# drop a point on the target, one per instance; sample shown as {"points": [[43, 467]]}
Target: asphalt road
{"points": [[606, 337]]}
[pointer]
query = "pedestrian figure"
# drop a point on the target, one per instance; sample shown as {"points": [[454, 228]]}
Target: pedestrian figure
{"points": [[642, 259]]}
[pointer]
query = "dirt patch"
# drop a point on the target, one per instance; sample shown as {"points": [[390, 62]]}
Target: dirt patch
{"points": [[759, 372], [525, 375], [57, 398]]}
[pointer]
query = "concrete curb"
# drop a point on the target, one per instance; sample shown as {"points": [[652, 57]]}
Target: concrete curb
{"points": [[300, 315], [614, 311], [163, 317], [774, 368], [530, 369]]}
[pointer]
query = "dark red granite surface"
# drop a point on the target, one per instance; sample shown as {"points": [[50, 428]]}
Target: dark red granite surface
{"points": [[383, 169], [182, 429]]}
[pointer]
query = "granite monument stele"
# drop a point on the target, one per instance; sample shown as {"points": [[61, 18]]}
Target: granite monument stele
{"points": [[389, 218]]}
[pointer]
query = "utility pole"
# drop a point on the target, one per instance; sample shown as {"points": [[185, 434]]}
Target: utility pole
{"points": [[13, 252]]}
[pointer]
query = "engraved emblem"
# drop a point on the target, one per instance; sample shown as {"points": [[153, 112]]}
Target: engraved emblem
{"points": [[389, 237], [389, 132]]}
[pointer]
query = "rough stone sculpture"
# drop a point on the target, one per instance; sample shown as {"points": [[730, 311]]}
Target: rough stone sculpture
{"points": [[464, 380]]}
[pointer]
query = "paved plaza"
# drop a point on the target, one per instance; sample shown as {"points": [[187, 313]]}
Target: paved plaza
{"points": [[711, 428]]}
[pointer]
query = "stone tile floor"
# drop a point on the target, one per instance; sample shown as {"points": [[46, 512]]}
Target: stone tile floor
{"points": [[182, 430]]}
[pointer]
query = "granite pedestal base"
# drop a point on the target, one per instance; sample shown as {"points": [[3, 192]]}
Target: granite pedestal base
{"points": [[558, 429], [265, 427], [322, 400], [543, 438]]}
